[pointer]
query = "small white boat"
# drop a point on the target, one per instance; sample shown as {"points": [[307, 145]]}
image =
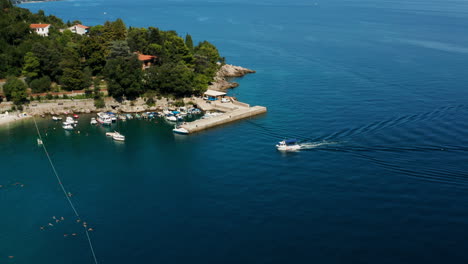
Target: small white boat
{"points": [[71, 121], [56, 118], [39, 142], [118, 137], [67, 126], [104, 118], [180, 130], [171, 118], [111, 134], [93, 121], [288, 145]]}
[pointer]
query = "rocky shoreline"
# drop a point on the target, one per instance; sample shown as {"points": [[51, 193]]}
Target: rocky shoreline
{"points": [[226, 72]]}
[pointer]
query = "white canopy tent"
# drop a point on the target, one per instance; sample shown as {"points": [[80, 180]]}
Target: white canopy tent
{"points": [[214, 93]]}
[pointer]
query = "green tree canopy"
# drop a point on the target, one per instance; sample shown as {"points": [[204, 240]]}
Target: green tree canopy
{"points": [[15, 90], [124, 77], [31, 68]]}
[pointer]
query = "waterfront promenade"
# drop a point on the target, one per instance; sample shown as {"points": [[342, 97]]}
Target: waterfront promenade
{"points": [[232, 111]]}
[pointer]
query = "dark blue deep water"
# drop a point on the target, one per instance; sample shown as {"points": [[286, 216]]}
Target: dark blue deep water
{"points": [[379, 89]]}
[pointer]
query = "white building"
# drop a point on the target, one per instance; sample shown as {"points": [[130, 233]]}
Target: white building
{"points": [[40, 29], [79, 29]]}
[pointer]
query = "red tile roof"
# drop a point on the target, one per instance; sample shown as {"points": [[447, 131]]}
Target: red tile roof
{"points": [[143, 57], [81, 26], [39, 25]]}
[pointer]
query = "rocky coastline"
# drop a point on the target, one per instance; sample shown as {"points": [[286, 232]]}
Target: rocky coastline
{"points": [[225, 74]]}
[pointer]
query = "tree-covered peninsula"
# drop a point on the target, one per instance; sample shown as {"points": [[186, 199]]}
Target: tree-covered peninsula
{"points": [[129, 61]]}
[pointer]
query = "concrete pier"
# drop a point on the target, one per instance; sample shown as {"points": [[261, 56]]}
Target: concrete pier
{"points": [[232, 112]]}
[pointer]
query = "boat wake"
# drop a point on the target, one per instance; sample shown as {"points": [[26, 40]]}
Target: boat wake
{"points": [[314, 145]]}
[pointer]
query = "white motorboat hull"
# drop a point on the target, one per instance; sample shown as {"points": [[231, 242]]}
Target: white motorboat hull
{"points": [[171, 118], [288, 148], [118, 137], [181, 131]]}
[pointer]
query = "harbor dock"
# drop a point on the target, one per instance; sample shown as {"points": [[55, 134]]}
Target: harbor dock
{"points": [[232, 111]]}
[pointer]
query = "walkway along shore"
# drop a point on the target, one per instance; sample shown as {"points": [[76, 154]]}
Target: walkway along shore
{"points": [[232, 111]]}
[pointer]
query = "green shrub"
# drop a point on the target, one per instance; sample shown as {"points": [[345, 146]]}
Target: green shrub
{"points": [[150, 101], [65, 96], [179, 103], [40, 85], [99, 103], [49, 96]]}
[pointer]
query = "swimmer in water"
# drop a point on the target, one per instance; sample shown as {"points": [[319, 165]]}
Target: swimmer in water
{"points": [[61, 218], [50, 224]]}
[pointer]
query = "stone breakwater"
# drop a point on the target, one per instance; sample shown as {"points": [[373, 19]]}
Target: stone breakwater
{"points": [[227, 71]]}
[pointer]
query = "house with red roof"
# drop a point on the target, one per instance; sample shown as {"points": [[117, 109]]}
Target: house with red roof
{"points": [[40, 29], [147, 60], [79, 29]]}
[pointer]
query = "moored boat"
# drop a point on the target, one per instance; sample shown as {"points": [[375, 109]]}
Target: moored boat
{"points": [[56, 118], [118, 137], [104, 118], [110, 134], [93, 121], [180, 130], [288, 145], [171, 118], [67, 126]]}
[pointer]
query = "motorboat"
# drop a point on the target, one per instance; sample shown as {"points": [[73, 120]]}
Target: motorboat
{"points": [[104, 118], [39, 142], [171, 118], [110, 134], [288, 145], [180, 130], [129, 116], [67, 126], [118, 137], [76, 116], [93, 121], [112, 116], [56, 118], [122, 117], [70, 120]]}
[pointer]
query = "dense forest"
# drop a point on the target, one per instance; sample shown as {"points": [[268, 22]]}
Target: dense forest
{"points": [[68, 61]]}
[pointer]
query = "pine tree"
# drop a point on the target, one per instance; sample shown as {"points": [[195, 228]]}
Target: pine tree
{"points": [[189, 42]]}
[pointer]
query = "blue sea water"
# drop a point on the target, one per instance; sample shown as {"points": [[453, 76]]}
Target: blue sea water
{"points": [[377, 88]]}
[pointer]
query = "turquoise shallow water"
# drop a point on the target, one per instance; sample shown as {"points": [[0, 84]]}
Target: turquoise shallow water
{"points": [[379, 90]]}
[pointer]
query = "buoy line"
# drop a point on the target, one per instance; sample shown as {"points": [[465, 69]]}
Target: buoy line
{"points": [[64, 191]]}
